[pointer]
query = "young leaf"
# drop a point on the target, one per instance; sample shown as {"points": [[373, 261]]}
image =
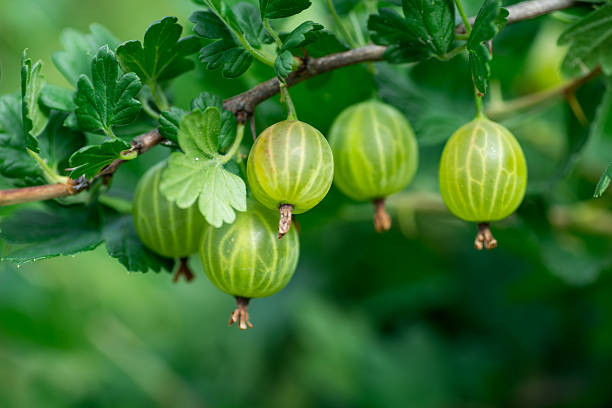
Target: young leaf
{"points": [[34, 120], [226, 52], [590, 40], [228, 121], [283, 64], [58, 143], [89, 160], [58, 98], [108, 99], [51, 232], [15, 162], [282, 8], [304, 34], [122, 243], [199, 175], [247, 19], [79, 49], [163, 55], [169, 123], [490, 19], [604, 182], [426, 29]]}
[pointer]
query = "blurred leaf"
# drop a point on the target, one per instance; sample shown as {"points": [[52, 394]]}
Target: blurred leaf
{"points": [[590, 41], [58, 143], [122, 243], [58, 98], [109, 100], [79, 50], [52, 232], [604, 182], [163, 55], [169, 123], [345, 6], [304, 34], [247, 18], [89, 160], [490, 19], [34, 120], [282, 8]]}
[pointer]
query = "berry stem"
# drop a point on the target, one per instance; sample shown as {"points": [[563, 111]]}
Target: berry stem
{"points": [[183, 270], [382, 219], [464, 17], [480, 111], [286, 99], [484, 237], [241, 314], [285, 219]]}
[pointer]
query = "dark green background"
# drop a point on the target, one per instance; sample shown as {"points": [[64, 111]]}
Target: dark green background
{"points": [[414, 317]]}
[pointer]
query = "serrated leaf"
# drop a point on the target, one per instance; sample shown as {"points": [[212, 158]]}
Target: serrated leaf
{"points": [[58, 98], [228, 119], [108, 99], [198, 133], [75, 60], [490, 19], [52, 232], [283, 65], [58, 143], [248, 20], [427, 28], [15, 162], [169, 122], [163, 55], [122, 243], [226, 52], [189, 179], [302, 35], [282, 8], [89, 160], [590, 40], [34, 120]]}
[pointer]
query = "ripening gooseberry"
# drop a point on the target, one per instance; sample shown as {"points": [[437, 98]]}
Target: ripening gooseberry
{"points": [[246, 260], [161, 225], [290, 168], [375, 154], [483, 175]]}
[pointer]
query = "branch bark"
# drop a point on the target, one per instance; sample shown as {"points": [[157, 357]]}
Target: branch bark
{"points": [[244, 104]]}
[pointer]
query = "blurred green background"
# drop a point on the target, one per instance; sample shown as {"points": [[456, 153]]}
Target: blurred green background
{"points": [[414, 317]]}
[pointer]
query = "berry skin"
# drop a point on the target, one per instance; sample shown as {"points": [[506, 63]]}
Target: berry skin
{"points": [[375, 154], [246, 260], [162, 226], [483, 175], [290, 167]]}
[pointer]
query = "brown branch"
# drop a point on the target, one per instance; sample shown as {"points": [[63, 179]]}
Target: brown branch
{"points": [[243, 105]]}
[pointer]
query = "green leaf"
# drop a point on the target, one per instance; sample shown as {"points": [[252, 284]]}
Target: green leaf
{"points": [[228, 119], [122, 243], [55, 231], [345, 6], [58, 143], [189, 179], [490, 19], [108, 99], [590, 40], [34, 120], [198, 173], [169, 122], [89, 160], [282, 8], [15, 162], [58, 98], [163, 55], [226, 52], [79, 50], [248, 20], [427, 28], [199, 131], [604, 182], [283, 65], [302, 35]]}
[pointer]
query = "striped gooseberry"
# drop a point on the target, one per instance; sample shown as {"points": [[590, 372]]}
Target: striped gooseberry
{"points": [[246, 260], [290, 168], [483, 175], [375, 154], [162, 226]]}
